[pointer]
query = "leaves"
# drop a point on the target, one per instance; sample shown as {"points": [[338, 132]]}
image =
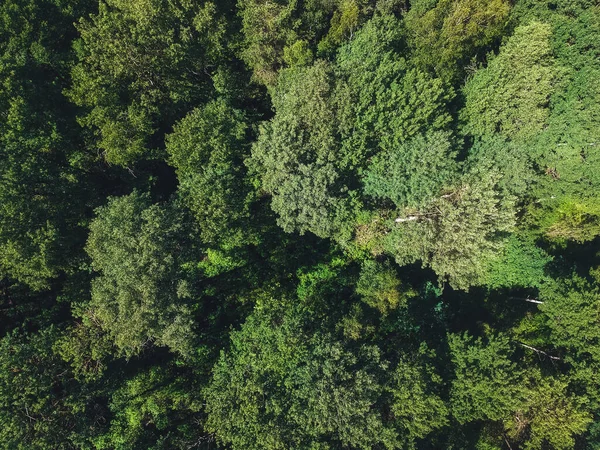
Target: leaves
{"points": [[317, 224], [141, 291]]}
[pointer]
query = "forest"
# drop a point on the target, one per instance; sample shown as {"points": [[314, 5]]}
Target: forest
{"points": [[299, 224]]}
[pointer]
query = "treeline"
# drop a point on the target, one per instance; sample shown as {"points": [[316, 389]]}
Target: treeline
{"points": [[299, 224]]}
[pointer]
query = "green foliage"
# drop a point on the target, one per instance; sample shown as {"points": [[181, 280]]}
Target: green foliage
{"points": [[445, 34], [318, 282], [297, 54], [510, 96], [28, 223], [297, 150], [511, 160], [323, 132], [343, 24], [416, 407], [141, 294], [316, 224], [576, 221], [412, 173], [567, 155], [267, 31], [207, 148], [535, 410], [554, 417], [276, 32], [279, 387], [570, 309], [487, 384], [86, 347], [38, 397], [521, 264], [457, 234], [41, 197], [141, 64], [380, 287], [383, 102], [150, 411]]}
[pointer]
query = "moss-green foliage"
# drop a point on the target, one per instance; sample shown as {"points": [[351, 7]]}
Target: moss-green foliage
{"points": [[415, 406], [299, 224], [86, 347], [276, 34], [208, 148], [344, 23], [141, 292], [510, 96], [140, 64], [311, 153], [533, 409], [521, 263], [297, 152], [488, 384], [380, 287], [267, 31], [412, 173], [151, 410], [565, 149], [553, 417], [453, 236], [39, 190], [512, 160], [283, 386], [446, 34], [39, 396], [383, 101], [569, 309]]}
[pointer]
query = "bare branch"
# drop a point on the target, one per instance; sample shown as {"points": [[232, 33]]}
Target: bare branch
{"points": [[530, 300], [406, 219], [538, 351]]}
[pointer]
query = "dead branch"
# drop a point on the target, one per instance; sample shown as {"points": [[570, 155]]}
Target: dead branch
{"points": [[530, 300], [406, 219], [538, 351]]}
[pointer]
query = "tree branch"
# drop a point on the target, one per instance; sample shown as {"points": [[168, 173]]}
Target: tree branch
{"points": [[530, 300], [539, 352]]}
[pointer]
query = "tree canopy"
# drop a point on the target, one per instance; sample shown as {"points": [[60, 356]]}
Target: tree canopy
{"points": [[284, 224]]}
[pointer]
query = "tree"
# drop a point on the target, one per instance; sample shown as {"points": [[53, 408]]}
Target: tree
{"points": [[510, 96], [296, 153], [416, 408], [457, 234], [412, 173], [42, 196], [487, 384], [142, 294], [521, 264], [330, 119], [569, 208], [38, 396], [550, 416], [86, 347], [154, 409], [279, 387], [387, 238], [344, 22], [142, 65], [276, 33], [533, 409], [444, 35], [570, 308], [208, 148], [380, 287], [512, 160], [383, 102]]}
